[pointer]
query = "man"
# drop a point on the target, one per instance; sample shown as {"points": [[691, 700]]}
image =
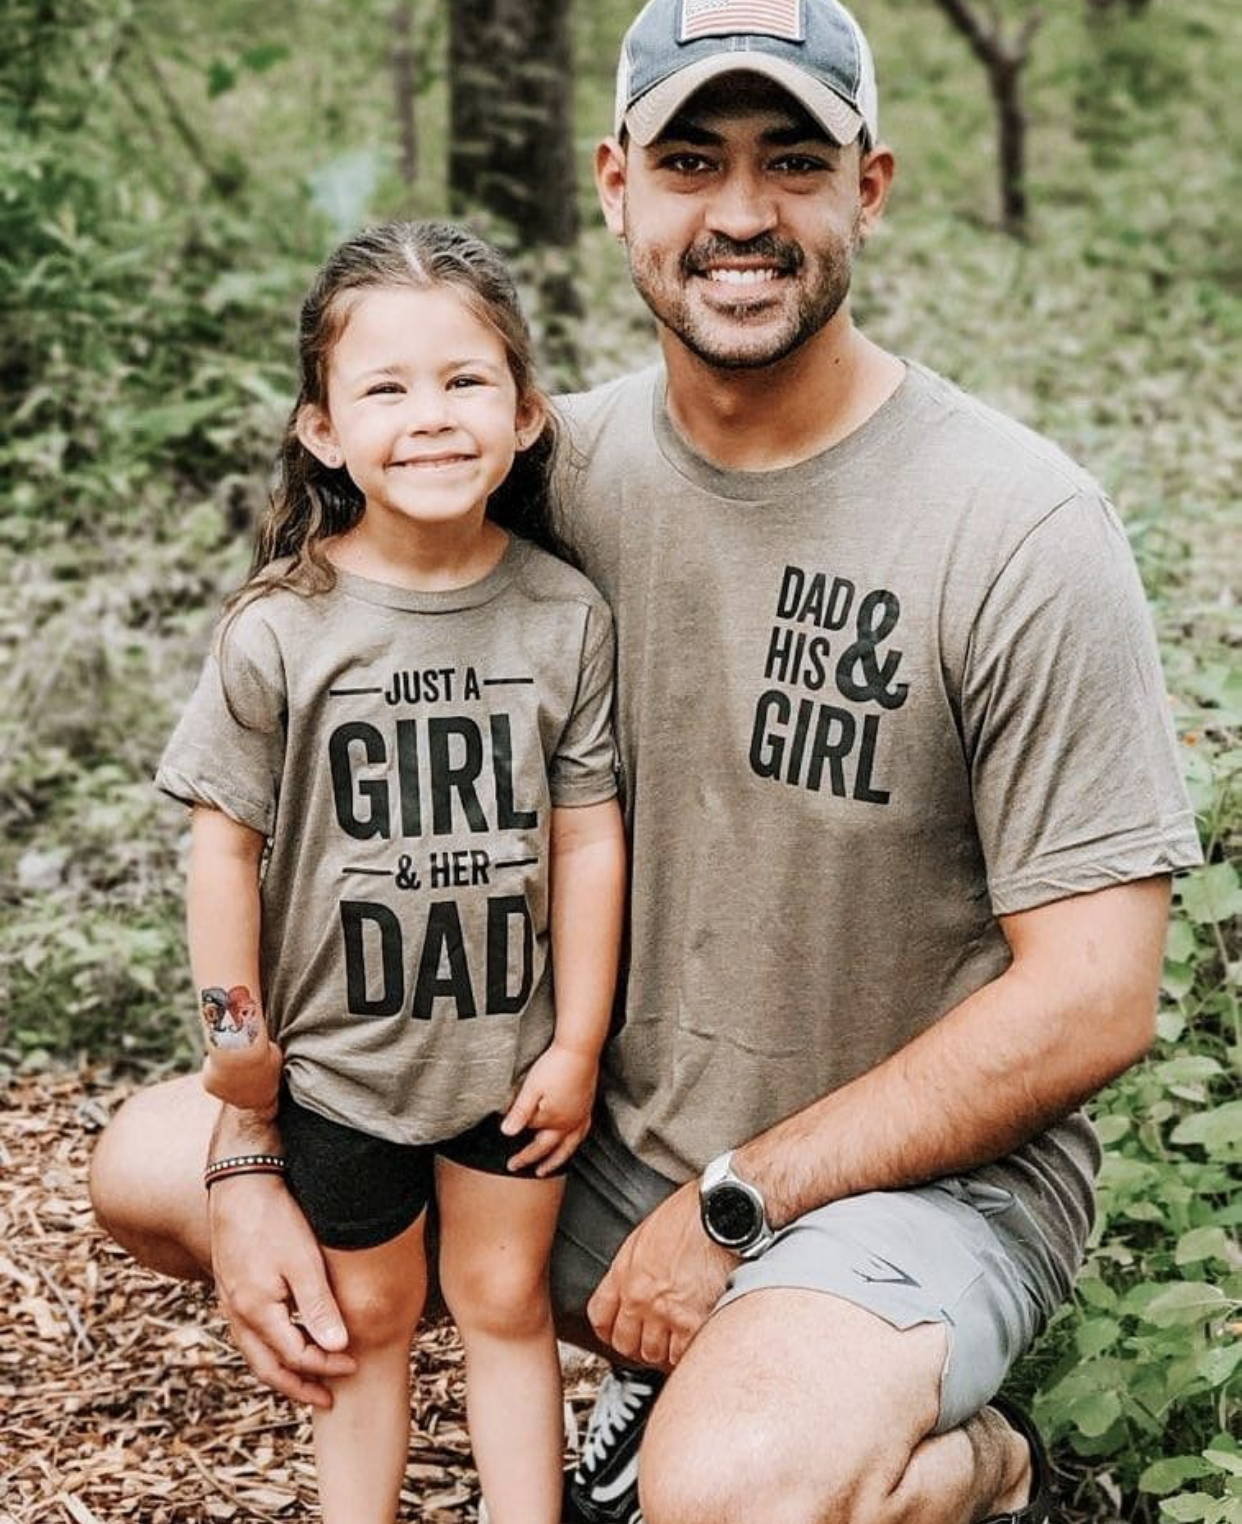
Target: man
{"points": [[903, 800]]}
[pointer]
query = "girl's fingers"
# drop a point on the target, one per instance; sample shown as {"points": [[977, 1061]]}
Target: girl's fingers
{"points": [[563, 1153], [538, 1148], [519, 1115]]}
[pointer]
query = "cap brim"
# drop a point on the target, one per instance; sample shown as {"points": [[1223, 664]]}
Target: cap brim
{"points": [[650, 113]]}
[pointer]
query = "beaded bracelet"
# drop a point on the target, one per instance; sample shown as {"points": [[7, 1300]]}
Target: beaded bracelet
{"points": [[243, 1164]]}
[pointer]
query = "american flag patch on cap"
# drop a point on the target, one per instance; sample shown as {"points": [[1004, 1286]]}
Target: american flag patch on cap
{"points": [[763, 18]]}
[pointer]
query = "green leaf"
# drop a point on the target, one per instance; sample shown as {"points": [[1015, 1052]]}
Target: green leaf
{"points": [[1224, 1460], [1169, 1474], [1095, 1292], [1143, 1211], [1096, 1412], [1187, 1507], [1096, 1335], [220, 79], [1185, 1303], [1189, 1069], [1177, 980], [1180, 944], [1217, 1130], [262, 58], [1202, 1243], [1112, 1129], [1218, 1364], [1212, 894], [1170, 1025], [162, 425]]}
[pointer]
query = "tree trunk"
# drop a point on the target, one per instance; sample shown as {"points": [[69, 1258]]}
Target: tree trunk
{"points": [[1004, 61], [510, 111], [405, 89], [1011, 129]]}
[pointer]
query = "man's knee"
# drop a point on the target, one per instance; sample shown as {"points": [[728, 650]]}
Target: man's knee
{"points": [[114, 1191], [145, 1182], [703, 1467], [795, 1407]]}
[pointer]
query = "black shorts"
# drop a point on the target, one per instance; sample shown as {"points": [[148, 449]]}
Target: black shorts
{"points": [[358, 1191]]}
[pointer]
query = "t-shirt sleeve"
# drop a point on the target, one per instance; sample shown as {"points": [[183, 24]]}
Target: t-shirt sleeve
{"points": [[583, 769], [228, 748], [1066, 721]]}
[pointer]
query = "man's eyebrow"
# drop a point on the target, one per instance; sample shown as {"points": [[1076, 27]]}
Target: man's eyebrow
{"points": [[684, 130], [799, 132]]}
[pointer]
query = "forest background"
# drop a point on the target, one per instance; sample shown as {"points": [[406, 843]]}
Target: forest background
{"points": [[171, 174]]}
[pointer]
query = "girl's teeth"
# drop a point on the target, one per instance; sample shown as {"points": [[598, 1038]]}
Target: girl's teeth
{"points": [[741, 277]]}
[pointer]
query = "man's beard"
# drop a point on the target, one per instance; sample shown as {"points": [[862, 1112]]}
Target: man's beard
{"points": [[818, 298]]}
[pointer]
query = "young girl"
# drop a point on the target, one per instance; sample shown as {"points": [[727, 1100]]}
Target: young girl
{"points": [[408, 707]]}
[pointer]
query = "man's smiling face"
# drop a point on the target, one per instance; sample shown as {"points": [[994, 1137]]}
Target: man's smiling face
{"points": [[741, 222]]}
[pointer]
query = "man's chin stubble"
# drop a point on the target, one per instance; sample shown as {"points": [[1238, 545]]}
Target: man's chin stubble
{"points": [[723, 355]]}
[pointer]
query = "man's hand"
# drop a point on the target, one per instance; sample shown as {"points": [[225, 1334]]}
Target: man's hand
{"points": [[662, 1285], [267, 1266]]}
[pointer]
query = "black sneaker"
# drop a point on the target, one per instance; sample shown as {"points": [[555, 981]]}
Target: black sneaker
{"points": [[603, 1487]]}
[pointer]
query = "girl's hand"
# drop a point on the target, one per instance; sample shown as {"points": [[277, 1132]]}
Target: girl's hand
{"points": [[555, 1102]]}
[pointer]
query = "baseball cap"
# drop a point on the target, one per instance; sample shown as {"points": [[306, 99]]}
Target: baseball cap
{"points": [[814, 49]]}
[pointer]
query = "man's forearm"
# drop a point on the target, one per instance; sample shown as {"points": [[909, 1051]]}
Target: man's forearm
{"points": [[1075, 1009]]}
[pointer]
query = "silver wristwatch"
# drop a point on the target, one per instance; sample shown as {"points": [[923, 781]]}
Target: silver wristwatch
{"points": [[732, 1210]]}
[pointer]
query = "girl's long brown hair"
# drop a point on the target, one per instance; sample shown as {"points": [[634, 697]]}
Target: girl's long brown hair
{"points": [[310, 503]]}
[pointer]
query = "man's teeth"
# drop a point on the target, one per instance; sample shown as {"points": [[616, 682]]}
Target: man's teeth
{"points": [[742, 277]]}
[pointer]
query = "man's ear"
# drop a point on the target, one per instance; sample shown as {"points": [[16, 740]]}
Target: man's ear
{"points": [[532, 415], [314, 429], [610, 184], [876, 169]]}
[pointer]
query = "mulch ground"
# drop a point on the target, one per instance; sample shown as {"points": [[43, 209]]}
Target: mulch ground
{"points": [[121, 1395]]}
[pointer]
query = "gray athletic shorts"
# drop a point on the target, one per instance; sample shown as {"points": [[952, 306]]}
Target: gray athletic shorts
{"points": [[961, 1253]]}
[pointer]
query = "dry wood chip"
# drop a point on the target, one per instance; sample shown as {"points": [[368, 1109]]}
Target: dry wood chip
{"points": [[11, 1272], [161, 1423], [268, 1497], [77, 1510], [45, 1320]]}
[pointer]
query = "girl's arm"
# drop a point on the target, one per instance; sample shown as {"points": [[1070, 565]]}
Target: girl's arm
{"points": [[222, 917], [588, 906]]}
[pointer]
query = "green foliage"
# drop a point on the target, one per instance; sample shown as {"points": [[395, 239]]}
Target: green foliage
{"points": [[169, 178], [1149, 1349]]}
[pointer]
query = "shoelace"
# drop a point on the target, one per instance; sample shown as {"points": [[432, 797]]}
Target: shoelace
{"points": [[618, 1400]]}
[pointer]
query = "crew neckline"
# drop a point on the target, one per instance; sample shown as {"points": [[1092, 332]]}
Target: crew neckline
{"points": [[448, 600], [762, 486]]}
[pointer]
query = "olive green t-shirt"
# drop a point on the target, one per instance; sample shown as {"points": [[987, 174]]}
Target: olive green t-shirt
{"points": [[865, 705], [402, 752]]}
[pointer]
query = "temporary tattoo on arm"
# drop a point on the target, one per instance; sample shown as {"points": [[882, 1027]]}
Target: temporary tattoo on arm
{"points": [[231, 1017]]}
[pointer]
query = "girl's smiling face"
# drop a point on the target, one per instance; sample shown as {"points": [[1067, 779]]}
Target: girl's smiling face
{"points": [[422, 409]]}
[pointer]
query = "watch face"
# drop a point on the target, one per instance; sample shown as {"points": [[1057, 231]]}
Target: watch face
{"points": [[732, 1215]]}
